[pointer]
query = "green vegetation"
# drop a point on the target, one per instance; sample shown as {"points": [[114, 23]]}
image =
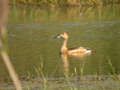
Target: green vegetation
{"points": [[88, 82], [40, 81], [64, 3]]}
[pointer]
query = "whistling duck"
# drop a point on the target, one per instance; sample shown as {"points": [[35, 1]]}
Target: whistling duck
{"points": [[72, 51]]}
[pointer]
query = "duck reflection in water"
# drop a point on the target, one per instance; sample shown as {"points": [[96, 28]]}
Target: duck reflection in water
{"points": [[78, 52]]}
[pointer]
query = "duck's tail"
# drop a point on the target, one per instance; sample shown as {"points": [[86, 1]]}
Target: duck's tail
{"points": [[89, 51]]}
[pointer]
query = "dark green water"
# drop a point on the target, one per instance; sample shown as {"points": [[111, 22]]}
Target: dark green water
{"points": [[31, 42]]}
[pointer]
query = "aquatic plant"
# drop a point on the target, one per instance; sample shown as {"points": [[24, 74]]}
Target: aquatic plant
{"points": [[113, 71], [40, 73]]}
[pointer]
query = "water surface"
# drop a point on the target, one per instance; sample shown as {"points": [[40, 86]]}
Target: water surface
{"points": [[31, 42]]}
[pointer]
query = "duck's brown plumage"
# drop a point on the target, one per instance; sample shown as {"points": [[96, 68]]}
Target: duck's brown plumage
{"points": [[72, 51]]}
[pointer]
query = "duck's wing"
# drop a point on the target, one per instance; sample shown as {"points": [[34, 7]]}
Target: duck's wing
{"points": [[79, 51], [73, 48], [78, 48]]}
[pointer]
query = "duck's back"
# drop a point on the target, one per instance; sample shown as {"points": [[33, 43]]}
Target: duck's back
{"points": [[79, 51]]}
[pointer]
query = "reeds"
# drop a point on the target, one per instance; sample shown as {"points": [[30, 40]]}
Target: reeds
{"points": [[113, 71], [40, 73], [64, 3]]}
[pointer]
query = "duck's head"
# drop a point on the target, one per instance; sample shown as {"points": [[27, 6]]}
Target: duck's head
{"points": [[63, 35]]}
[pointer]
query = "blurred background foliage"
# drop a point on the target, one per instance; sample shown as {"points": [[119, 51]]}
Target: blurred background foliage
{"points": [[64, 3]]}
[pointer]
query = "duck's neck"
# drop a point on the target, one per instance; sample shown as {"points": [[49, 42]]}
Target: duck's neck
{"points": [[64, 46]]}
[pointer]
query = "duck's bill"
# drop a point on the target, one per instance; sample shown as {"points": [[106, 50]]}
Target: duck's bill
{"points": [[58, 36]]}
